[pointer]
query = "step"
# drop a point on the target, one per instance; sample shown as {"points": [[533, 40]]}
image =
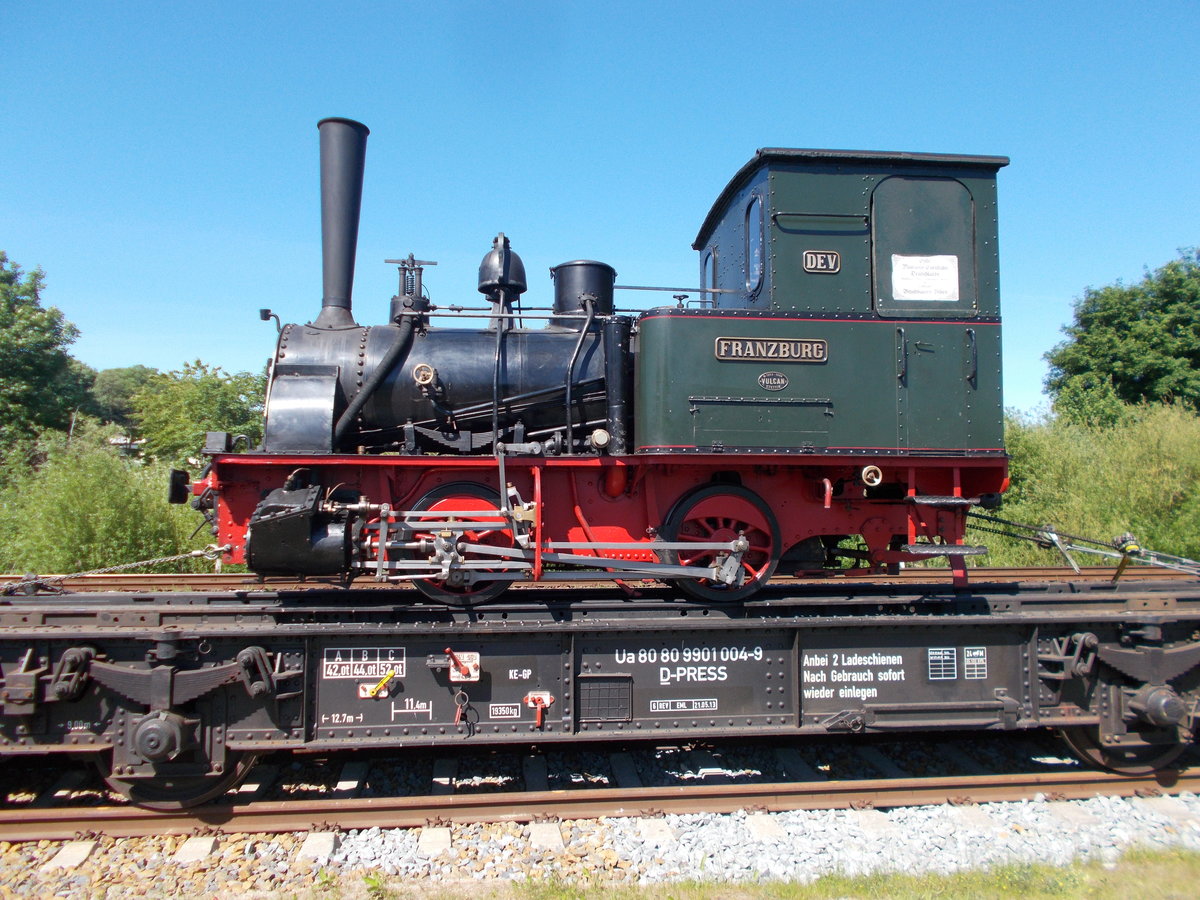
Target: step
{"points": [[938, 500], [944, 550]]}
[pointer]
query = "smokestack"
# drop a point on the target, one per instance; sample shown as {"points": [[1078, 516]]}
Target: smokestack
{"points": [[343, 155]]}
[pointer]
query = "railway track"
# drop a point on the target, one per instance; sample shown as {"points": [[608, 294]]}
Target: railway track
{"points": [[240, 581], [34, 823], [351, 791], [784, 829]]}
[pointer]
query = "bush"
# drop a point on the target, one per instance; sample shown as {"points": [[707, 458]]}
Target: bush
{"points": [[1140, 474], [74, 504]]}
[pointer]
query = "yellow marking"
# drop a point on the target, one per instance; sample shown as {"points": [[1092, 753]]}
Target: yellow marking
{"points": [[374, 692]]}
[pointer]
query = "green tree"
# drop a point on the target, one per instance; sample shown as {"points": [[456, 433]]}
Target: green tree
{"points": [[174, 409], [40, 384], [114, 389], [1131, 344]]}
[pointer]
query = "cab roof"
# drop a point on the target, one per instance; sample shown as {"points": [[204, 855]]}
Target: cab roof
{"points": [[766, 156]]}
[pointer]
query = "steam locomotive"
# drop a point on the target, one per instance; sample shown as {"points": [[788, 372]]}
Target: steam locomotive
{"points": [[829, 397]]}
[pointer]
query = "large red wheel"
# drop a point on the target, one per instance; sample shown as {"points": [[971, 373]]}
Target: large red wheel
{"points": [[475, 500], [716, 513]]}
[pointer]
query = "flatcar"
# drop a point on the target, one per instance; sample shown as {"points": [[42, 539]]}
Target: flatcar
{"points": [[828, 396]]}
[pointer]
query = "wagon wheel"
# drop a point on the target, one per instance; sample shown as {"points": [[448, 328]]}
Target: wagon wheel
{"points": [[171, 792], [1084, 742], [715, 513], [493, 530]]}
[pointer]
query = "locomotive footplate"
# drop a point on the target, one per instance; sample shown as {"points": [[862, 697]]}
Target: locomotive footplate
{"points": [[184, 690]]}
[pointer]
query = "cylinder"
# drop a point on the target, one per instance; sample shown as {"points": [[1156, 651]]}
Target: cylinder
{"points": [[343, 158], [573, 283]]}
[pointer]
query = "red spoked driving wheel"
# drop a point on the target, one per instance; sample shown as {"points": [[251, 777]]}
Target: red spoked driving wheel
{"points": [[463, 502], [718, 513]]}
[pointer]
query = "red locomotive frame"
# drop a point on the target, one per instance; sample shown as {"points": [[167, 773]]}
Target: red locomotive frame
{"points": [[628, 508]]}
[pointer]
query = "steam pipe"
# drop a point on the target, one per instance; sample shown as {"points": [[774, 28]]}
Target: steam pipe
{"points": [[343, 158], [500, 332], [589, 300], [397, 351]]}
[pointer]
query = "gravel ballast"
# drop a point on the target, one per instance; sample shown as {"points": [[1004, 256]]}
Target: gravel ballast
{"points": [[742, 846]]}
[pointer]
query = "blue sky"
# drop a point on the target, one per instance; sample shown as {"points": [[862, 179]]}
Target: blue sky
{"points": [[160, 160]]}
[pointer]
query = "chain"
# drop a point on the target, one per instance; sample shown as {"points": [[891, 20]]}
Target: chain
{"points": [[1125, 548], [1036, 529], [1002, 532], [31, 583]]}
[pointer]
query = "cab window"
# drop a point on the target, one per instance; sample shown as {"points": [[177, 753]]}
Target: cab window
{"points": [[923, 236], [754, 244]]}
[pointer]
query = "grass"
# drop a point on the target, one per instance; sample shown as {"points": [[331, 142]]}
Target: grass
{"points": [[1150, 874]]}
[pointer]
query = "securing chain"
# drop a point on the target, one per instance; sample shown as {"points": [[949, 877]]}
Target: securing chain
{"points": [[1124, 549], [1037, 534], [31, 584]]}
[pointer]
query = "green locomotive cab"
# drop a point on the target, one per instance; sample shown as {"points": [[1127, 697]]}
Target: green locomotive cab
{"points": [[818, 267]]}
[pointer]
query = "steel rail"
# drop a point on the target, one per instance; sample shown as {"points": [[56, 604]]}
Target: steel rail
{"points": [[27, 824], [240, 581]]}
